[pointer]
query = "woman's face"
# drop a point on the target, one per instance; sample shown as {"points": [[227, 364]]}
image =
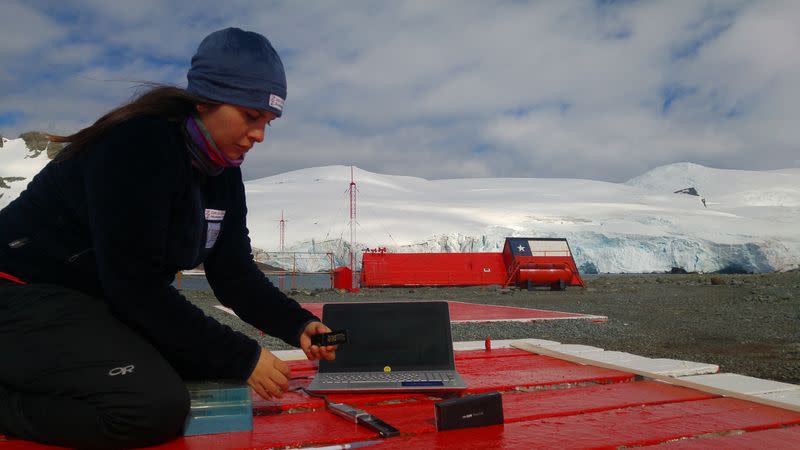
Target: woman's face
{"points": [[234, 128]]}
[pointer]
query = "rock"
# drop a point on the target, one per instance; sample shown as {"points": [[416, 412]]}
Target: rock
{"points": [[689, 191], [717, 281], [39, 142]]}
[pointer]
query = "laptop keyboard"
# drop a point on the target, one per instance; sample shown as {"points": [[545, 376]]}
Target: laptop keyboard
{"points": [[378, 377]]}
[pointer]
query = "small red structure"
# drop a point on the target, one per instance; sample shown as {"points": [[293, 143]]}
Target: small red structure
{"points": [[532, 262], [525, 262], [343, 279]]}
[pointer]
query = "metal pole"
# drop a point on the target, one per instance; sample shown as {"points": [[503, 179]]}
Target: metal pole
{"points": [[294, 271], [330, 256], [282, 231], [352, 219]]}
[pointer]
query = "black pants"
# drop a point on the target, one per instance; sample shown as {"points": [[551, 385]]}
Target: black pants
{"points": [[73, 375]]}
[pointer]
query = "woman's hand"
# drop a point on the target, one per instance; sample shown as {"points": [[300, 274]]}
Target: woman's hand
{"points": [[314, 351], [270, 378]]}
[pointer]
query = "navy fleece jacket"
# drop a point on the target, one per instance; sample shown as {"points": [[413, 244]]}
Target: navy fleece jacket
{"points": [[117, 221]]}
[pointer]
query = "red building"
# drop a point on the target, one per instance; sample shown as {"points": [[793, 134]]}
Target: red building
{"points": [[525, 262]]}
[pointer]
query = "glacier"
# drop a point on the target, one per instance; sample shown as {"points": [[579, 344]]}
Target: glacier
{"points": [[748, 223]]}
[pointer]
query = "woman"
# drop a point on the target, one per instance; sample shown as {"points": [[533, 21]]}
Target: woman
{"points": [[94, 341]]}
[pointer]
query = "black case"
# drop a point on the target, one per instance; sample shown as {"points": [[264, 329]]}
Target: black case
{"points": [[469, 411]]}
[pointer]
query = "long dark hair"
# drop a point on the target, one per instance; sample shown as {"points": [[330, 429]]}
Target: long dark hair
{"points": [[169, 102]]}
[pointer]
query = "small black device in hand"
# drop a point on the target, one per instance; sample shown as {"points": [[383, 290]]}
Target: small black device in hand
{"points": [[333, 338]]}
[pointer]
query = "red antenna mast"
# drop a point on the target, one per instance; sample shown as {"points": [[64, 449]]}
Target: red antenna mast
{"points": [[283, 231], [352, 219]]}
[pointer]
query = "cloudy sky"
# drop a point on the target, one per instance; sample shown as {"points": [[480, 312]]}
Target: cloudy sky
{"points": [[604, 90]]}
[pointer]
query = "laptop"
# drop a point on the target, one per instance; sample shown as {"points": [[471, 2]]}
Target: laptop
{"points": [[391, 347]]}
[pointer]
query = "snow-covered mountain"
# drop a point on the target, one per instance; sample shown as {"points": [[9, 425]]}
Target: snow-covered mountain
{"points": [[18, 164], [749, 220]]}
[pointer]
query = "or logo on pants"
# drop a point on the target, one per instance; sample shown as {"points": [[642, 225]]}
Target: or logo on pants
{"points": [[121, 370]]}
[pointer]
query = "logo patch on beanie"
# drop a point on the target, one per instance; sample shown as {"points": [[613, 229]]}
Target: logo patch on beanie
{"points": [[276, 102]]}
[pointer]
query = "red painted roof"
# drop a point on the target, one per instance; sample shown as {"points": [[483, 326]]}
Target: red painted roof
{"points": [[547, 403], [468, 312]]}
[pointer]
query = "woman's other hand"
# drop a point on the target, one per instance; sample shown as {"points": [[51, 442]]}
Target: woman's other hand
{"points": [[270, 378]]}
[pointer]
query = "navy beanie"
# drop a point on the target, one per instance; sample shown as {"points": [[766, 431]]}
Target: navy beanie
{"points": [[238, 67]]}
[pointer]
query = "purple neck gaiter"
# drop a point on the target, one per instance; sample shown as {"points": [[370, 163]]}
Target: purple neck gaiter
{"points": [[200, 136]]}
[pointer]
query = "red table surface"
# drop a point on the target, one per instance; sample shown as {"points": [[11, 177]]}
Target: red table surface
{"points": [[773, 439], [612, 428], [547, 403]]}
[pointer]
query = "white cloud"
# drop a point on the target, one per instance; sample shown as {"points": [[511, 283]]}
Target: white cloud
{"points": [[449, 89], [25, 30]]}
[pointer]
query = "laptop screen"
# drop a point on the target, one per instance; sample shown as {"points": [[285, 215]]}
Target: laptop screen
{"points": [[402, 336]]}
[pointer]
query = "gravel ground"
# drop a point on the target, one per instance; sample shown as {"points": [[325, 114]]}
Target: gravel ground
{"points": [[747, 324]]}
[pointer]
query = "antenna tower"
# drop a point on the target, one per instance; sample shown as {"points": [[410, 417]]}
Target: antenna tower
{"points": [[352, 190], [283, 231]]}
